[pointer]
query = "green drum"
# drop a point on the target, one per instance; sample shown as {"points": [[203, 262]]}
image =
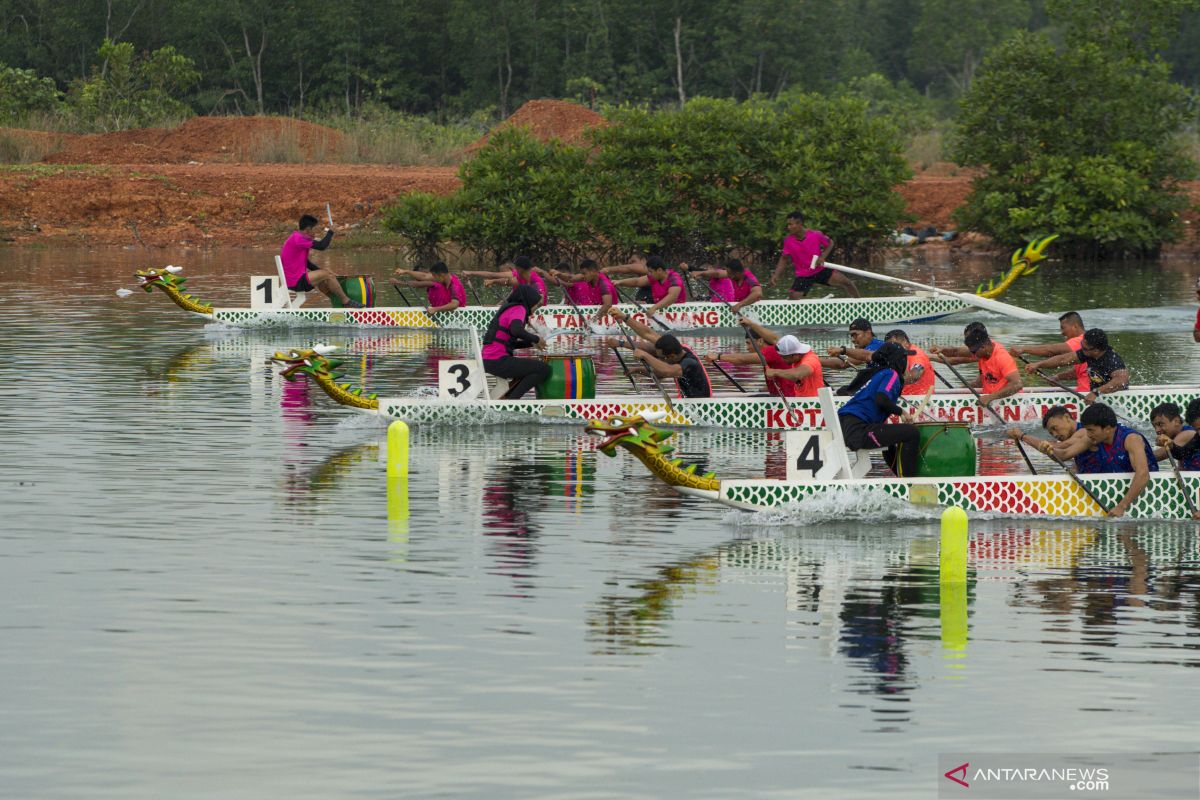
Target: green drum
{"points": [[356, 287], [572, 377], [947, 450]]}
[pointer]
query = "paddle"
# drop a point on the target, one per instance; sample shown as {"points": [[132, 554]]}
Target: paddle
{"points": [[329, 213], [1069, 390], [587, 324], [1179, 479], [628, 374], [633, 301], [995, 413], [969, 299], [763, 360], [649, 369]]}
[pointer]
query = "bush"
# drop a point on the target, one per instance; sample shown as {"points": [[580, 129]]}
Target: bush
{"points": [[23, 93], [131, 91], [424, 222], [1078, 142]]}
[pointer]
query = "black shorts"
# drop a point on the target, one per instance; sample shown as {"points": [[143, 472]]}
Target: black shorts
{"points": [[303, 285], [804, 284]]}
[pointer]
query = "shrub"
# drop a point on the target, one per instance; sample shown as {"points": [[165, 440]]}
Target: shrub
{"points": [[424, 222], [132, 91], [23, 93]]}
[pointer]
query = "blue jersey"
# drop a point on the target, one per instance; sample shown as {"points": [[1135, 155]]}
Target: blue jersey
{"points": [[1115, 458], [874, 345], [862, 405], [1189, 461]]}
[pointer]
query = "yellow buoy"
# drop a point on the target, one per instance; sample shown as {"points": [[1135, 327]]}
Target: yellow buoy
{"points": [[397, 450], [953, 555]]}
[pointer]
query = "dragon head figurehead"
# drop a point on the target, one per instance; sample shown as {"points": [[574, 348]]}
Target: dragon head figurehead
{"points": [[315, 363], [647, 443], [167, 279], [1024, 261]]}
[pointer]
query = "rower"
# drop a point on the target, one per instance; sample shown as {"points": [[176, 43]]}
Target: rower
{"points": [[919, 368], [1106, 370], [1070, 440], [1070, 325], [507, 333], [300, 274], [445, 291], [518, 272], [587, 287], [864, 417], [720, 287], [746, 288], [666, 286], [664, 354], [1176, 436], [792, 368], [998, 373], [1119, 449], [864, 341], [801, 246]]}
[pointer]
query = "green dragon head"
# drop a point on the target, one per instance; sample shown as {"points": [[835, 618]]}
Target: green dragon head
{"points": [[313, 362], [632, 432], [167, 279], [1024, 261]]}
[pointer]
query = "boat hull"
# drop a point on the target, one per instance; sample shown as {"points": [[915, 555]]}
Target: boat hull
{"points": [[758, 413], [1020, 495], [825, 313]]}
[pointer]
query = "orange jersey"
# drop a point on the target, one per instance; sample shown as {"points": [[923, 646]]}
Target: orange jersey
{"points": [[920, 358], [1082, 384], [994, 371]]}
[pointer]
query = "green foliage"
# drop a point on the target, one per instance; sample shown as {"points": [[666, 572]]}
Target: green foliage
{"points": [[1079, 141], [522, 196], [952, 36], [720, 174], [130, 91], [22, 93], [424, 222], [899, 103]]}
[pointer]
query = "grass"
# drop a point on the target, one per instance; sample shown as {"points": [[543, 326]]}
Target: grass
{"points": [[926, 149], [18, 148]]}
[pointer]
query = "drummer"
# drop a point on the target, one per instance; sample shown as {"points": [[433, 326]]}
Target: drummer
{"points": [[1106, 370], [665, 285], [1176, 436], [998, 373], [664, 354], [864, 344], [445, 291], [507, 333], [792, 368], [864, 418], [1070, 325], [920, 373]]}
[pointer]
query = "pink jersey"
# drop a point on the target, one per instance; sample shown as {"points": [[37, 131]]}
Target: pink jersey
{"points": [[499, 348], [802, 251], [722, 288], [537, 281], [440, 295], [742, 290], [294, 255], [659, 290], [587, 294]]}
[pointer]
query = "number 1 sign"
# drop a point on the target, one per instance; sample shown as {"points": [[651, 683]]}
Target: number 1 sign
{"points": [[267, 291]]}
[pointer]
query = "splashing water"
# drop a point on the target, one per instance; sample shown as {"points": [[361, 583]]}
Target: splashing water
{"points": [[839, 504]]}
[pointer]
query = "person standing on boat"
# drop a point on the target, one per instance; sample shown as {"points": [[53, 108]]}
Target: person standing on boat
{"points": [[665, 285], [1106, 370], [920, 371], [518, 272], [864, 418], [864, 344], [664, 354], [1070, 325], [445, 291], [801, 246], [998, 373], [507, 333], [301, 274], [1176, 436], [588, 287], [793, 369]]}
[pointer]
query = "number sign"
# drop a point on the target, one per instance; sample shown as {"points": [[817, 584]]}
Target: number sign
{"points": [[808, 456], [460, 380], [267, 291]]}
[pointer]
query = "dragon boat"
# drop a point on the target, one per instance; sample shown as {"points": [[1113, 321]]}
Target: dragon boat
{"points": [[730, 411], [1044, 495], [273, 306]]}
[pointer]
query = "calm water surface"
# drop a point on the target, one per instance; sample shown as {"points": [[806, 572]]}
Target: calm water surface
{"points": [[202, 594]]}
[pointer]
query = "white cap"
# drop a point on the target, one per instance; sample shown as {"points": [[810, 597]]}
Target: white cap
{"points": [[791, 346]]}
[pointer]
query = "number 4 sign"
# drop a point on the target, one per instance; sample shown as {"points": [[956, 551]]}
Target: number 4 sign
{"points": [[460, 380], [808, 456]]}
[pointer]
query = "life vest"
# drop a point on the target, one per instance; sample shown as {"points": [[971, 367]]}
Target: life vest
{"points": [[495, 333], [1115, 458]]}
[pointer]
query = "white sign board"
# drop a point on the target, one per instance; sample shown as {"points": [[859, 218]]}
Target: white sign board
{"points": [[809, 458], [460, 380], [268, 291]]}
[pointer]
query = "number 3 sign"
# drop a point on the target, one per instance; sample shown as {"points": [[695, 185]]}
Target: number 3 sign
{"points": [[808, 457], [460, 380]]}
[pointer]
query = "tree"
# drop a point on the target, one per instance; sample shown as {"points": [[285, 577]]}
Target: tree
{"points": [[133, 91], [952, 36]]}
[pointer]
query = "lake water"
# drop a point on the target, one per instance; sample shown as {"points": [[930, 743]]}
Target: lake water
{"points": [[203, 596]]}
